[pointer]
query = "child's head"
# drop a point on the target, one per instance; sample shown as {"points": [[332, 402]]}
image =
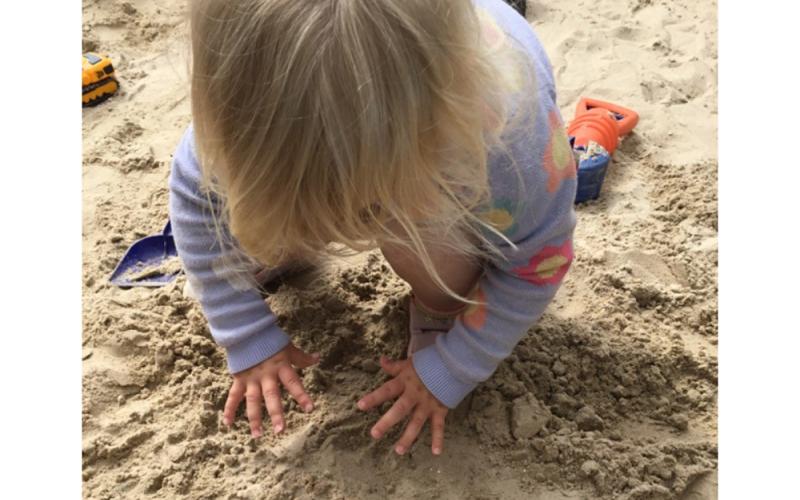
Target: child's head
{"points": [[323, 121]]}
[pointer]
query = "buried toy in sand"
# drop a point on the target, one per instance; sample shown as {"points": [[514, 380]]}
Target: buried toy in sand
{"points": [[98, 79], [594, 135]]}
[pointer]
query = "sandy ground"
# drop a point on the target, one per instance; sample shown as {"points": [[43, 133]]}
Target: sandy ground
{"points": [[622, 368]]}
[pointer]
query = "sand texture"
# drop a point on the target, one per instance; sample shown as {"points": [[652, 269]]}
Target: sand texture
{"points": [[612, 395]]}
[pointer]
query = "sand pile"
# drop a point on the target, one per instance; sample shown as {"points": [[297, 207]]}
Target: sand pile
{"points": [[611, 395]]}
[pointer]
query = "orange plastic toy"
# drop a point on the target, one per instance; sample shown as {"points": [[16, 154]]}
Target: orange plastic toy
{"points": [[601, 122]]}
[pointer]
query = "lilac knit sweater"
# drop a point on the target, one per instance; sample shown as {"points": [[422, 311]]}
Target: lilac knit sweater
{"points": [[533, 187]]}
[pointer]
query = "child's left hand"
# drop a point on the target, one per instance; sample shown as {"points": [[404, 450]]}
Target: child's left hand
{"points": [[412, 398]]}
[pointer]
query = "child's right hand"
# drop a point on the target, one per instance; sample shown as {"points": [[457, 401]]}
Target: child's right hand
{"points": [[263, 381]]}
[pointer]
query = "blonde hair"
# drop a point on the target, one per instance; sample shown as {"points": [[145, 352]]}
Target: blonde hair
{"points": [[337, 121]]}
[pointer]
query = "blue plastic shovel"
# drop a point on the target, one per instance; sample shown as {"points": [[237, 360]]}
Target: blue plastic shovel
{"points": [[150, 261]]}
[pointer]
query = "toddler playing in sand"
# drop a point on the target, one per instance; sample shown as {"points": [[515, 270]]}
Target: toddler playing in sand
{"points": [[426, 128]]}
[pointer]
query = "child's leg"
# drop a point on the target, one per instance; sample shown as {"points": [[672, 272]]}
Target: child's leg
{"points": [[459, 272]]}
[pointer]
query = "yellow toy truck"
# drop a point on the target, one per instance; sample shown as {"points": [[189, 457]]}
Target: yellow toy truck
{"points": [[99, 82]]}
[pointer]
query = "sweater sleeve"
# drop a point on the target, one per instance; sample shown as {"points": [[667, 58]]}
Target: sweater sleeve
{"points": [[239, 319], [533, 191]]}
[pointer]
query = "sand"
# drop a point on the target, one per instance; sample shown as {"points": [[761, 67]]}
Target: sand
{"points": [[612, 395]]}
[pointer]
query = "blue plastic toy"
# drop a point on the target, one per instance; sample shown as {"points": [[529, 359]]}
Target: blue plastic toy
{"points": [[592, 166], [151, 261], [594, 136]]}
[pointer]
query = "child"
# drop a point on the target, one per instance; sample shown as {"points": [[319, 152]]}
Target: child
{"points": [[427, 128]]}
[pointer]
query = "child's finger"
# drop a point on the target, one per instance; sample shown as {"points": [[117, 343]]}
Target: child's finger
{"points": [[391, 367], [437, 433], [271, 392], [385, 392], [235, 396], [413, 428], [301, 359], [253, 402], [292, 382], [396, 413]]}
